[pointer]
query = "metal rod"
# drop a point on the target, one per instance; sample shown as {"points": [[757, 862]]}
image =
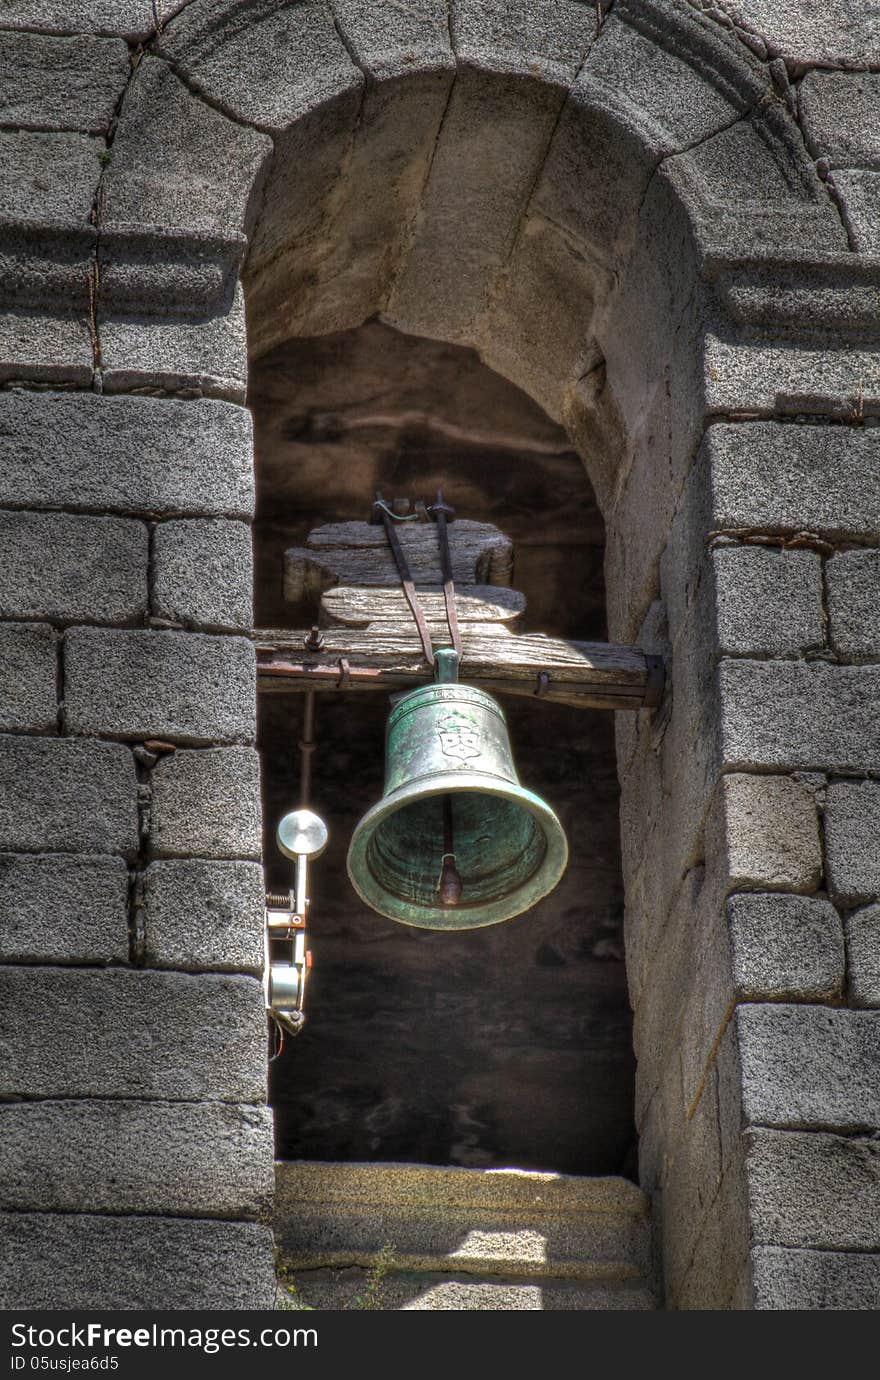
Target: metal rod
{"points": [[306, 749], [409, 588], [442, 511]]}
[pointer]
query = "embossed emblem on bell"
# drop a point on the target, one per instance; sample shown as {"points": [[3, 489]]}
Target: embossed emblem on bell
{"points": [[454, 844], [457, 739]]}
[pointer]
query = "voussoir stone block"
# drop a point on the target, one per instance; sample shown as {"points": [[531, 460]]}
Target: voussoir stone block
{"points": [[287, 61], [28, 662], [838, 112], [156, 456], [549, 38], [123, 1032], [386, 40], [127, 18], [74, 1261], [67, 796], [57, 909], [813, 1189], [785, 947], [841, 33], [203, 573], [809, 1066], [189, 687], [852, 841], [196, 1159], [69, 566], [785, 477], [807, 1281], [207, 804], [788, 715], [853, 582], [764, 832], [56, 83], [165, 133], [204, 915], [863, 953], [767, 602]]}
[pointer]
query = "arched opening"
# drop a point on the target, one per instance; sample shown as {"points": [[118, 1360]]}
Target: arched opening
{"points": [[509, 1045]]}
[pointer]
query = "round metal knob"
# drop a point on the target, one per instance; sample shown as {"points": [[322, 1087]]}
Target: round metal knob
{"points": [[301, 833]]}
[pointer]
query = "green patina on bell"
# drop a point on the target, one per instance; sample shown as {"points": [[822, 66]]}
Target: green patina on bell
{"points": [[456, 841]]}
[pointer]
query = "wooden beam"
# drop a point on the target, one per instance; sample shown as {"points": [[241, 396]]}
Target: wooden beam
{"points": [[349, 606], [387, 656], [357, 553]]}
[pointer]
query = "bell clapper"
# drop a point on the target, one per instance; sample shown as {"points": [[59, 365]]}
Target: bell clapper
{"points": [[449, 882]]}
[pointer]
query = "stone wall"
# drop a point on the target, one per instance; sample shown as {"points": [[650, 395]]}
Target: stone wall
{"points": [[664, 233]]}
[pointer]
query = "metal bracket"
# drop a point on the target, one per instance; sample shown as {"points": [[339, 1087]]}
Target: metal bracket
{"points": [[656, 681]]}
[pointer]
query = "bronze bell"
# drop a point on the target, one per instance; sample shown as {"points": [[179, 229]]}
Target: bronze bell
{"points": [[455, 842]]}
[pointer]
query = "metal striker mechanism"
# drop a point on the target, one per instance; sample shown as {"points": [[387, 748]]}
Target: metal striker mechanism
{"points": [[301, 836], [455, 842]]}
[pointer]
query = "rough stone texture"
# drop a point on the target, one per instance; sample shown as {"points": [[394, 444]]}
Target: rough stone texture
{"points": [[288, 60], [807, 1281], [853, 583], [38, 346], [843, 33], [28, 658], [785, 947], [207, 804], [345, 1289], [132, 1033], [155, 456], [838, 115], [128, 18], [71, 1261], [790, 715], [189, 687], [49, 178], [446, 281], [68, 566], [784, 477], [178, 164], [389, 39], [852, 829], [204, 915], [206, 354], [63, 795], [763, 832], [203, 573], [814, 378], [859, 195], [767, 602], [863, 955], [146, 1157], [792, 1058], [60, 909], [60, 83], [814, 1190], [546, 37], [506, 1222]]}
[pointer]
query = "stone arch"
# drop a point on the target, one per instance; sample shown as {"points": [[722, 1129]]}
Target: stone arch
{"points": [[646, 247]]}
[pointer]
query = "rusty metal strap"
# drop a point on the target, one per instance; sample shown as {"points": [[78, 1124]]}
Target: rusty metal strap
{"points": [[403, 569], [442, 511]]}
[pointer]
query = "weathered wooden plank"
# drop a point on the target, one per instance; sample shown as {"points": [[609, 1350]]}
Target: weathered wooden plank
{"points": [[357, 553], [348, 606], [388, 656]]}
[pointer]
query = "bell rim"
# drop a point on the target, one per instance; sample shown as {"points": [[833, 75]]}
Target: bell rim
{"points": [[543, 881]]}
